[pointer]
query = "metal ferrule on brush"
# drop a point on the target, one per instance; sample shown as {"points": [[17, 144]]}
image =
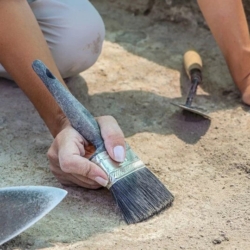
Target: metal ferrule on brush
{"points": [[115, 170]]}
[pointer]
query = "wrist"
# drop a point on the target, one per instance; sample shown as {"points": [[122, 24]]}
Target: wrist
{"points": [[60, 123]]}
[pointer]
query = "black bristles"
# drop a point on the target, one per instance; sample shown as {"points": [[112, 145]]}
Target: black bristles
{"points": [[140, 195]]}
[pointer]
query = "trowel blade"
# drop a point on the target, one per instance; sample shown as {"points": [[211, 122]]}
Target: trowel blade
{"points": [[21, 207], [191, 109]]}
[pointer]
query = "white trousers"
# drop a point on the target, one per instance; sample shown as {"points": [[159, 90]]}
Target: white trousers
{"points": [[73, 30]]}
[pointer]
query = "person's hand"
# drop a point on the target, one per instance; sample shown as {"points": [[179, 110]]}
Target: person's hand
{"points": [[69, 153], [244, 87]]}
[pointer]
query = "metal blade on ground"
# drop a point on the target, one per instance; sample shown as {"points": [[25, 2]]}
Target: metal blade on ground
{"points": [[21, 207]]}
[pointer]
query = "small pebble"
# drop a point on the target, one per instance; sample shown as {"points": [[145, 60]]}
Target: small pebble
{"points": [[216, 241]]}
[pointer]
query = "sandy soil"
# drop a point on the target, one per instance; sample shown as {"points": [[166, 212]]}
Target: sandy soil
{"points": [[204, 163]]}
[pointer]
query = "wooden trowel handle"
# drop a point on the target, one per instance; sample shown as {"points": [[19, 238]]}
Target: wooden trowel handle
{"points": [[192, 61]]}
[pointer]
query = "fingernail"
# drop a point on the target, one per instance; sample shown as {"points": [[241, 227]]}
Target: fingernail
{"points": [[101, 181], [119, 153]]}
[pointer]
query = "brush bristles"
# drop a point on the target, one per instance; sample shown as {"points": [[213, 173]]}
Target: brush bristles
{"points": [[140, 195]]}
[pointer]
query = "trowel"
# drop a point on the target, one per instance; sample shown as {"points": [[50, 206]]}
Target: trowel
{"points": [[21, 207], [193, 67]]}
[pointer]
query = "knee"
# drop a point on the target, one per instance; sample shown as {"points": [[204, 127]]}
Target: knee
{"points": [[79, 42]]}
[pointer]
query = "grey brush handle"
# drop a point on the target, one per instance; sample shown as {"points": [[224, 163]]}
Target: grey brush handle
{"points": [[79, 117]]}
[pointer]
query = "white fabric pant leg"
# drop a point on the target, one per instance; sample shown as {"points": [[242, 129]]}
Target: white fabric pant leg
{"points": [[74, 32]]}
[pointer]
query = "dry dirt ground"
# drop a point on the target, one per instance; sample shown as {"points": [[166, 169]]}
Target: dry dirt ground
{"points": [[205, 164]]}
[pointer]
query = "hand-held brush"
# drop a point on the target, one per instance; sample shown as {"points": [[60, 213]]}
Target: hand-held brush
{"points": [[136, 190]]}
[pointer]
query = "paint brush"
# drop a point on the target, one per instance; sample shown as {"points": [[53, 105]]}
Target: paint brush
{"points": [[136, 190]]}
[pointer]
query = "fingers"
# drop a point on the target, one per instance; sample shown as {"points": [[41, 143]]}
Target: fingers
{"points": [[113, 137], [70, 179], [68, 152], [68, 164], [78, 165], [74, 180]]}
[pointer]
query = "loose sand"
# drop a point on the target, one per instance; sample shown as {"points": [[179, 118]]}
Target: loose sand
{"points": [[205, 164]]}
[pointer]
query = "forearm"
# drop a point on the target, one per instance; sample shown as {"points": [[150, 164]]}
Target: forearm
{"points": [[21, 42], [227, 21]]}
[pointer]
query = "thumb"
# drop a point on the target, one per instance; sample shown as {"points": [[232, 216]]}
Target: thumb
{"points": [[113, 137]]}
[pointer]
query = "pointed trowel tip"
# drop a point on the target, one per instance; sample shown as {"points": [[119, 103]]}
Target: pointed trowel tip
{"points": [[58, 194], [62, 193]]}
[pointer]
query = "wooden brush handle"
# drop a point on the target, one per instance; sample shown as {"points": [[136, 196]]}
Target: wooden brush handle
{"points": [[79, 117], [192, 61]]}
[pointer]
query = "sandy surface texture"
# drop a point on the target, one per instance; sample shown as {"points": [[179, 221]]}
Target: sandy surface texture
{"points": [[205, 163]]}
